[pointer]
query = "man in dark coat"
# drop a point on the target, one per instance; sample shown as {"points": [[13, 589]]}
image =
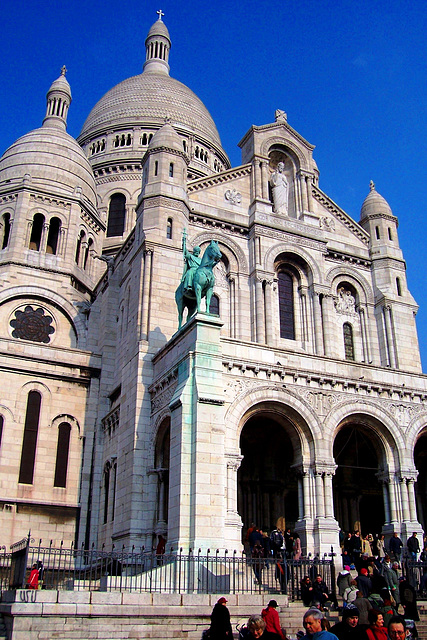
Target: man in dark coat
{"points": [[413, 546], [395, 546], [220, 622], [349, 626], [408, 598], [364, 583]]}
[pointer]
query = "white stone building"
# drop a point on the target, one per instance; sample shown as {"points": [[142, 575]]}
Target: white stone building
{"points": [[299, 399]]}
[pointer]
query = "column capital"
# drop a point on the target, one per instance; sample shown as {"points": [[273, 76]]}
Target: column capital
{"points": [[234, 461]]}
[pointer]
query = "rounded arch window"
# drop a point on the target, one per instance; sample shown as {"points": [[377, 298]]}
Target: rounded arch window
{"points": [[116, 215]]}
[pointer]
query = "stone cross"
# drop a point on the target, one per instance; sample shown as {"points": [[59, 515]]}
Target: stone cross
{"points": [[160, 12], [63, 70]]}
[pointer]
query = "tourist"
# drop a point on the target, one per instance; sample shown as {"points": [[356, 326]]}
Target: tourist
{"points": [[297, 547], [391, 576], [306, 591], [364, 583], [364, 606], [257, 561], [255, 628], [220, 622], [320, 590], [413, 545], [376, 629], [344, 580], [380, 547], [397, 628], [395, 546], [349, 626], [273, 630], [408, 599], [312, 622], [350, 594], [33, 580]]}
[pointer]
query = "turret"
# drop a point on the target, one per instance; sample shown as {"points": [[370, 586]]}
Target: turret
{"points": [[157, 47], [58, 102]]}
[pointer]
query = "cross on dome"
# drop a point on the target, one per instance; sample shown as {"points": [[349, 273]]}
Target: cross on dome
{"points": [[160, 12], [63, 70]]}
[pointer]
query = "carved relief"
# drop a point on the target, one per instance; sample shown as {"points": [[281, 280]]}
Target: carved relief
{"points": [[321, 402], [404, 413], [345, 302], [327, 223], [162, 393], [233, 196]]}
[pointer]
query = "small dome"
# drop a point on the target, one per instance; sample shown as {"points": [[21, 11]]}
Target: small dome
{"points": [[159, 29], [166, 136], [53, 160], [61, 84], [374, 203]]}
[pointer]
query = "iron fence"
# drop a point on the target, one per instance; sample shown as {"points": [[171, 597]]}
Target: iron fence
{"points": [[416, 573], [142, 570]]}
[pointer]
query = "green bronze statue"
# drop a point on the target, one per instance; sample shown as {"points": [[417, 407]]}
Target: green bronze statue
{"points": [[197, 280]]}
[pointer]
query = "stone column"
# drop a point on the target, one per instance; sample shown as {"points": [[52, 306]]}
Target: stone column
{"points": [[328, 332], [412, 503], [320, 496], [259, 311], [306, 494], [404, 498], [308, 186], [329, 509], [264, 180], [233, 464], [386, 503], [303, 191], [300, 499], [270, 286], [391, 360], [393, 502], [148, 258], [318, 332]]}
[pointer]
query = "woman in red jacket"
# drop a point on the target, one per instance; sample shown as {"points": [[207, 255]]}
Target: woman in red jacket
{"points": [[273, 630], [376, 629]]}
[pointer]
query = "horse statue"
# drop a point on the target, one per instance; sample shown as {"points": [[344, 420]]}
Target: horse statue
{"points": [[198, 280]]}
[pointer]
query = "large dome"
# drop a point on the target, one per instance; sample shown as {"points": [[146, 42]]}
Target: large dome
{"points": [[148, 99], [53, 159]]}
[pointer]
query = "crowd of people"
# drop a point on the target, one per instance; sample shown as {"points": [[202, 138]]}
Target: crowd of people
{"points": [[266, 626]]}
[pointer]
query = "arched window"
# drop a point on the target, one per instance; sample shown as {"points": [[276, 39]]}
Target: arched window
{"points": [[169, 226], [348, 341], [87, 253], [377, 233], [156, 168], [80, 240], [171, 170], [36, 232], [214, 305], [53, 236], [62, 451], [398, 287], [113, 505], [5, 230], [286, 305], [29, 442], [390, 235], [106, 490], [116, 215]]}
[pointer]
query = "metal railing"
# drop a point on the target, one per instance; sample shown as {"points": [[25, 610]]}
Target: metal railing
{"points": [[416, 573], [142, 570]]}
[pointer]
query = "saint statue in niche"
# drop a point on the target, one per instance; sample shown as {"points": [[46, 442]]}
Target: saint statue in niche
{"points": [[346, 302], [280, 188]]}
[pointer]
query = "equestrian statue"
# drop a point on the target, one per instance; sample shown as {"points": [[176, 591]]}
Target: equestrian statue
{"points": [[197, 280]]}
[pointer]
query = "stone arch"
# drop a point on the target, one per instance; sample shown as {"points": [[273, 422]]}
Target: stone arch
{"points": [[381, 422], [355, 278], [236, 257], [6, 411], [50, 298], [417, 449], [301, 158], [66, 417], [304, 419], [415, 429], [276, 250]]}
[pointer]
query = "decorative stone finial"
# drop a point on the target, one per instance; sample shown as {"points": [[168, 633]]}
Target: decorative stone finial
{"points": [[63, 70], [372, 185], [280, 115], [160, 12]]}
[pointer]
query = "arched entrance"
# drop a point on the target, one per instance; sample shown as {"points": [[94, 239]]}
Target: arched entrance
{"points": [[161, 469], [358, 496], [420, 459], [267, 484]]}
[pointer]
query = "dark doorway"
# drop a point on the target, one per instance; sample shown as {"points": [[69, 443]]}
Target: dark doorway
{"points": [[267, 486], [420, 459], [358, 497]]}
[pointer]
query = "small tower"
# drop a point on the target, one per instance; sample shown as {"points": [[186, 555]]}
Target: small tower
{"points": [[395, 307], [58, 102], [157, 46]]}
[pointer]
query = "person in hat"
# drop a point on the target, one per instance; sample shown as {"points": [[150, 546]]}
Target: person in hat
{"points": [[273, 630], [349, 626], [255, 629], [220, 622]]}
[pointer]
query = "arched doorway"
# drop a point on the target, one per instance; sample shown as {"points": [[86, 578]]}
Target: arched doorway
{"points": [[267, 483], [358, 496], [420, 459], [161, 468]]}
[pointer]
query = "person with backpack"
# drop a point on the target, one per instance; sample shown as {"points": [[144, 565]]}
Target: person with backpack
{"points": [[276, 542]]}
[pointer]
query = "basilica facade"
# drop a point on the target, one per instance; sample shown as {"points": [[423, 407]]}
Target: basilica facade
{"points": [[296, 399]]}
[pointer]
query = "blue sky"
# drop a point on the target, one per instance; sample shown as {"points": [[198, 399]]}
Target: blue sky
{"points": [[350, 75]]}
